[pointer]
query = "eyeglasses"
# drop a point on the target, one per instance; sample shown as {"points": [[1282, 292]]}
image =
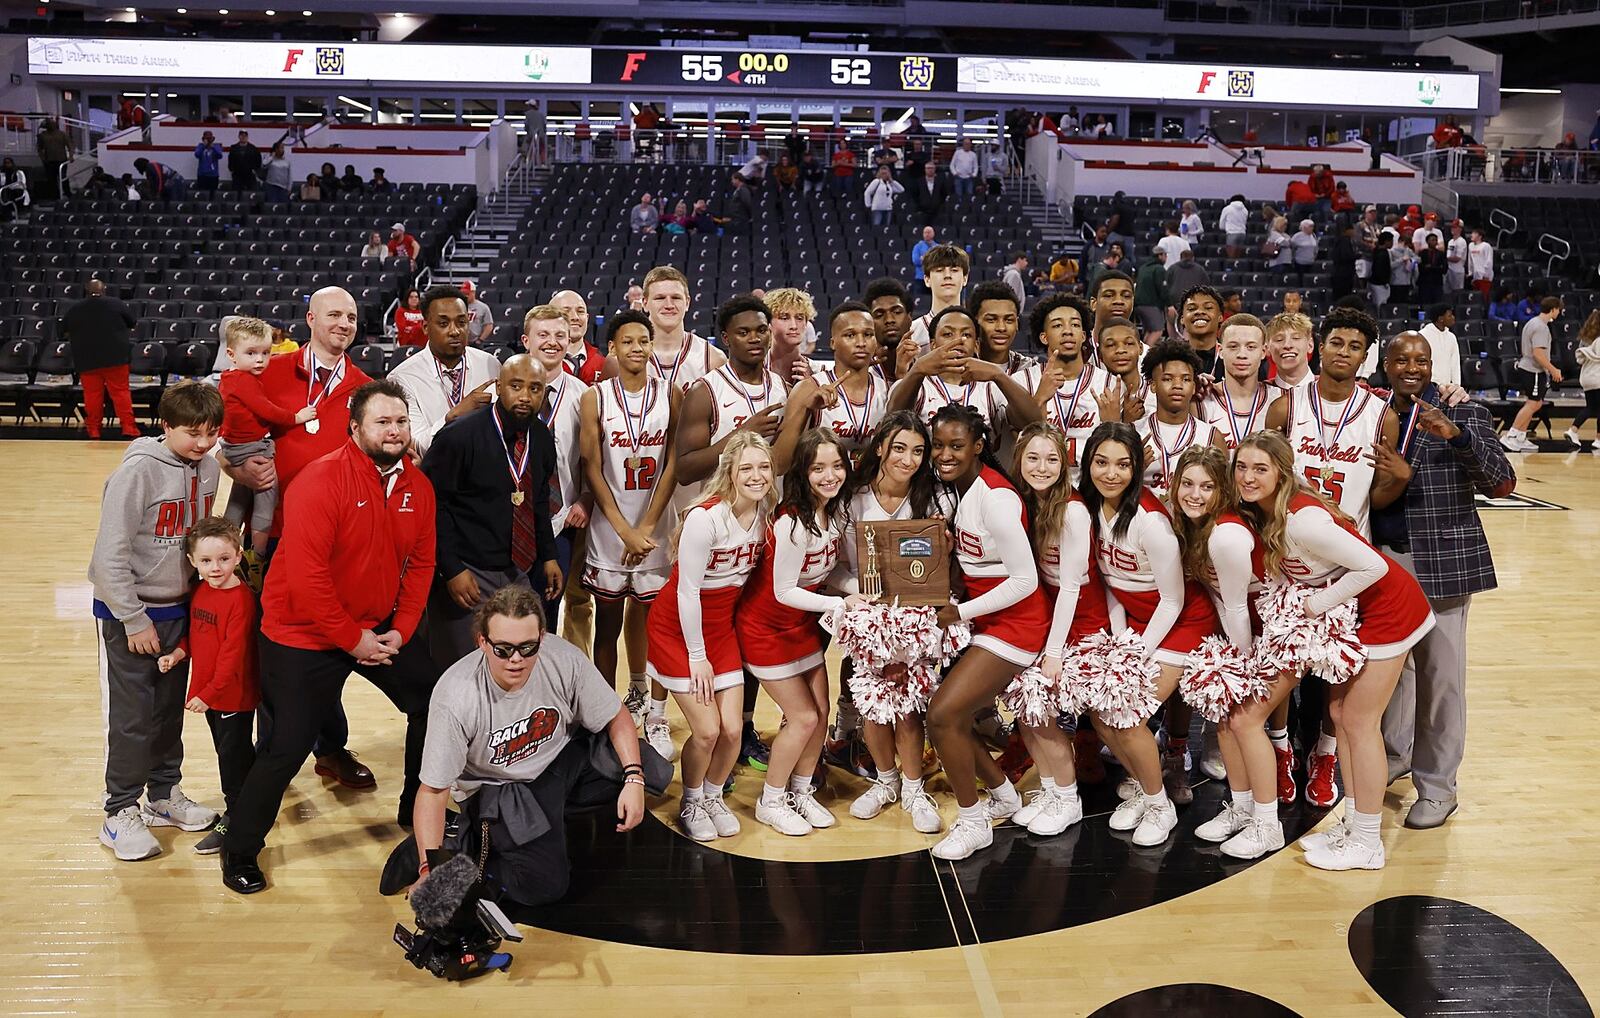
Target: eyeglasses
{"points": [[503, 651]]}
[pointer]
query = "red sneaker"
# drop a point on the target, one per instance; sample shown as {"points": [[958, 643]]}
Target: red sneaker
{"points": [[1286, 786], [1015, 761], [1322, 780], [1091, 770]]}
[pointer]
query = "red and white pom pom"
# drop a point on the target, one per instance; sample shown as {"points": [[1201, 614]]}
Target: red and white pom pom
{"points": [[1032, 698], [1218, 677], [1116, 678], [879, 637], [1293, 641]]}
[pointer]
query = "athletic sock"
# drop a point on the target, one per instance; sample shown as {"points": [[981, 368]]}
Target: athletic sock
{"points": [[693, 794], [749, 719], [1047, 783], [711, 789], [1364, 827], [1157, 800], [636, 680], [1327, 745], [658, 708], [1267, 812], [974, 812], [1279, 737], [887, 776], [1070, 790], [1004, 791], [771, 796], [800, 783], [1242, 800], [910, 787]]}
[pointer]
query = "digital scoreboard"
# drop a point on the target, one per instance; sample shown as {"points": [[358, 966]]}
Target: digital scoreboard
{"points": [[775, 70]]}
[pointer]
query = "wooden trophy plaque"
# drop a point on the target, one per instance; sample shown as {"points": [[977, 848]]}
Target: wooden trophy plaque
{"points": [[907, 560]]}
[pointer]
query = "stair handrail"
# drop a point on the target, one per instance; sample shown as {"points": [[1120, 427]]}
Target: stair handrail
{"points": [[1558, 248], [1499, 218]]}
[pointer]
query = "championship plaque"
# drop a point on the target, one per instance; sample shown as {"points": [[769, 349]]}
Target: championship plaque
{"points": [[905, 559]]}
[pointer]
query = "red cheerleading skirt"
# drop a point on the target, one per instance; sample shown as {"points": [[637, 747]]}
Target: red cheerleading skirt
{"points": [[1017, 633], [1395, 614], [1196, 621], [667, 660], [777, 641], [1090, 616]]}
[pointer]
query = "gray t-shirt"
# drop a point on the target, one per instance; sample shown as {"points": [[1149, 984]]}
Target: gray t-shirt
{"points": [[479, 734], [1535, 336]]}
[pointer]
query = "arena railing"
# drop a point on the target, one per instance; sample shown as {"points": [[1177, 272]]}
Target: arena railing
{"points": [[1505, 225], [1506, 165], [1558, 248]]}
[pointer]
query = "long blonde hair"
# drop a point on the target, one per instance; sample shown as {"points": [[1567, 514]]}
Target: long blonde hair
{"points": [[720, 488], [1272, 522], [1194, 537], [1046, 509]]}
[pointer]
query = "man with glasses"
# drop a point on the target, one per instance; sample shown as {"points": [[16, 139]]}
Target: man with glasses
{"points": [[514, 733]]}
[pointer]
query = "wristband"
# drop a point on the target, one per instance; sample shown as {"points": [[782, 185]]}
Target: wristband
{"points": [[422, 869], [633, 779], [633, 769]]}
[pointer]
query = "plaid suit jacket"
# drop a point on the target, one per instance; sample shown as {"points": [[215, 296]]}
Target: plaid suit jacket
{"points": [[1448, 545]]}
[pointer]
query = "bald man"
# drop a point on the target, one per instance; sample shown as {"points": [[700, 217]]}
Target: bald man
{"points": [[318, 373], [583, 359]]}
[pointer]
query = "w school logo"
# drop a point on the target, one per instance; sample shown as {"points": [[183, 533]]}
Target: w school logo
{"points": [[330, 60], [1241, 84], [916, 74]]}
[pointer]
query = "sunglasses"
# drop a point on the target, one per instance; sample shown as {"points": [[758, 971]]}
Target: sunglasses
{"points": [[503, 651]]}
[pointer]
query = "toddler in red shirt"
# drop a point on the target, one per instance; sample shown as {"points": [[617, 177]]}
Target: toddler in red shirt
{"points": [[248, 417], [223, 619]]}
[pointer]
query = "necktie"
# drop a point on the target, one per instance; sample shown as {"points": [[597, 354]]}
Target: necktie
{"points": [[524, 543]]}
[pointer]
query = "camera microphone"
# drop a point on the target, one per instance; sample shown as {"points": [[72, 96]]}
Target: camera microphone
{"points": [[439, 897]]}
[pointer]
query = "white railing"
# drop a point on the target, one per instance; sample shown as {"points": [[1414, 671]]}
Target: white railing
{"points": [[19, 132], [1505, 165], [1505, 223], [1557, 248]]}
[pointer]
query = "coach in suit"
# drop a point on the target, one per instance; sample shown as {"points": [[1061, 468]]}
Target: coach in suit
{"points": [[448, 378], [491, 477], [1433, 530]]}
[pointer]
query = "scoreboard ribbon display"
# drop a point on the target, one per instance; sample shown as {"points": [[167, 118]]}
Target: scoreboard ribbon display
{"points": [[766, 70]]}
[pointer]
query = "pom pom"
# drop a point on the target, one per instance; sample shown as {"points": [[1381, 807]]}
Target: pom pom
{"points": [[1032, 697], [1293, 641], [1218, 677], [1115, 678], [898, 652]]}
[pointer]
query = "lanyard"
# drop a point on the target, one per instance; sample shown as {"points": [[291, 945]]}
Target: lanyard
{"points": [[335, 376], [858, 429], [1185, 437], [518, 469], [1256, 406], [1345, 416], [1065, 417]]}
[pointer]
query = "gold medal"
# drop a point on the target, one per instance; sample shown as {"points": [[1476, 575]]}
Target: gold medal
{"points": [[516, 498], [633, 463], [1327, 473]]}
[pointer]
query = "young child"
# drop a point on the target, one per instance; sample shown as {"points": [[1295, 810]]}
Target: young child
{"points": [[222, 645], [248, 416], [141, 592]]}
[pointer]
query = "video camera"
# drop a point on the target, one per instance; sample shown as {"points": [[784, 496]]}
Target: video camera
{"points": [[459, 931]]}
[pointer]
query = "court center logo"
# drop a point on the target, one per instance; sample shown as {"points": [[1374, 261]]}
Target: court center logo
{"points": [[535, 64], [1428, 89], [916, 74], [330, 60], [1241, 84]]}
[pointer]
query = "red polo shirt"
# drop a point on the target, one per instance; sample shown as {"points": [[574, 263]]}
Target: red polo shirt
{"points": [[287, 382]]}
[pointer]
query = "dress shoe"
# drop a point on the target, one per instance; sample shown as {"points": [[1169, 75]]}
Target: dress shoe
{"points": [[1426, 814], [241, 875], [343, 767]]}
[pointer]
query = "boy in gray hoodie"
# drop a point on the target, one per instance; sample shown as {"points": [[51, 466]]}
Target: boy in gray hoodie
{"points": [[141, 582]]}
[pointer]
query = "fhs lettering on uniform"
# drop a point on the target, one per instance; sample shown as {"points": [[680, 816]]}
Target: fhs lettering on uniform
{"points": [[1341, 454], [968, 543], [744, 555], [1117, 558], [521, 739], [620, 439], [823, 558]]}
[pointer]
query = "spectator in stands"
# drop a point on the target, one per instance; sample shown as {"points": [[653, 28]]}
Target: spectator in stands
{"points": [[786, 174], [130, 189], [742, 206], [276, 169], [880, 196], [1343, 205], [1446, 134], [1015, 277], [1170, 242], [1403, 274], [409, 320], [1189, 226], [844, 168], [964, 170], [1120, 223], [208, 163], [311, 190], [1322, 187], [161, 181], [375, 247], [701, 220], [645, 216], [403, 244], [1276, 249], [351, 182], [14, 198], [55, 151], [679, 221], [380, 184], [812, 173], [1409, 223], [754, 172], [225, 115], [1112, 262], [932, 190], [883, 156], [1185, 276], [1300, 200], [1455, 257], [1382, 271], [244, 165], [100, 329], [1150, 296], [480, 320], [1527, 307], [1431, 268], [1234, 222], [1429, 228], [1096, 249], [1344, 261], [993, 181], [1232, 303], [1480, 263], [1442, 342], [1367, 232], [1535, 374], [918, 251], [633, 300], [1303, 245], [328, 180], [1503, 308]]}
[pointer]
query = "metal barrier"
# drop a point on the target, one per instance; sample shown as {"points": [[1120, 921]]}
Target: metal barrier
{"points": [[1503, 165], [1505, 223], [1557, 248]]}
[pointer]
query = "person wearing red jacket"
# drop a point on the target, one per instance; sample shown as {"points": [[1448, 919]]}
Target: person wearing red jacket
{"points": [[347, 593]]}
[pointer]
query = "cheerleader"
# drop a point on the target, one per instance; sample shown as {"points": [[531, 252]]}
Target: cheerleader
{"points": [[893, 481], [1221, 551], [1008, 617], [1308, 540], [693, 651], [1139, 558], [1077, 603], [779, 634]]}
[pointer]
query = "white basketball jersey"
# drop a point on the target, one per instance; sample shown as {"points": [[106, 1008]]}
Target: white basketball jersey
{"points": [[560, 415], [732, 403], [1073, 408], [1238, 418], [983, 397], [692, 363], [853, 423], [1333, 454], [633, 452], [1164, 443]]}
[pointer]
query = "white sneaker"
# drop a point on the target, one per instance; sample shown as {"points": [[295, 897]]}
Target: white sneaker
{"points": [[658, 734], [696, 822], [1255, 841], [812, 811], [875, 799], [1571, 435], [965, 838], [178, 810], [1224, 825], [126, 834], [1211, 764], [1510, 442], [637, 703], [924, 812], [1156, 825], [1594, 449], [1001, 809], [1127, 788], [781, 816], [1320, 839], [1060, 811], [722, 818], [1343, 853], [1034, 806], [1529, 445], [1127, 816]]}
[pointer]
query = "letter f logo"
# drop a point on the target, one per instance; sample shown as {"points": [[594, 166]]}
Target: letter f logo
{"points": [[292, 59], [633, 64], [1206, 77]]}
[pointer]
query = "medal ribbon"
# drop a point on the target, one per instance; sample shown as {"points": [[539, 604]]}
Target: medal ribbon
{"points": [[1408, 430], [1185, 436], [1345, 416], [1256, 405], [314, 398], [518, 470], [1078, 389], [858, 429], [635, 434], [739, 387], [944, 390], [672, 376]]}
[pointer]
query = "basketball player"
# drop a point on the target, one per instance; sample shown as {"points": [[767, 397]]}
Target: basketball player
{"points": [[1290, 340], [951, 373], [1112, 297], [677, 357], [945, 269], [545, 334], [791, 312], [586, 362], [1118, 349], [857, 389], [1237, 406], [996, 309], [1065, 386], [1172, 369], [1201, 319], [626, 426]]}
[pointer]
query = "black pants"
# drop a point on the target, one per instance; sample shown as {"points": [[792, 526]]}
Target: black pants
{"points": [[539, 871], [301, 688], [1591, 408], [231, 735]]}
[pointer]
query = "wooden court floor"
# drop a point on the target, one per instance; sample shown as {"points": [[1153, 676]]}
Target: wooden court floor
{"points": [[84, 934]]}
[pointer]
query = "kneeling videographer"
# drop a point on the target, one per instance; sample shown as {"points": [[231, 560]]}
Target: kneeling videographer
{"points": [[515, 729]]}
